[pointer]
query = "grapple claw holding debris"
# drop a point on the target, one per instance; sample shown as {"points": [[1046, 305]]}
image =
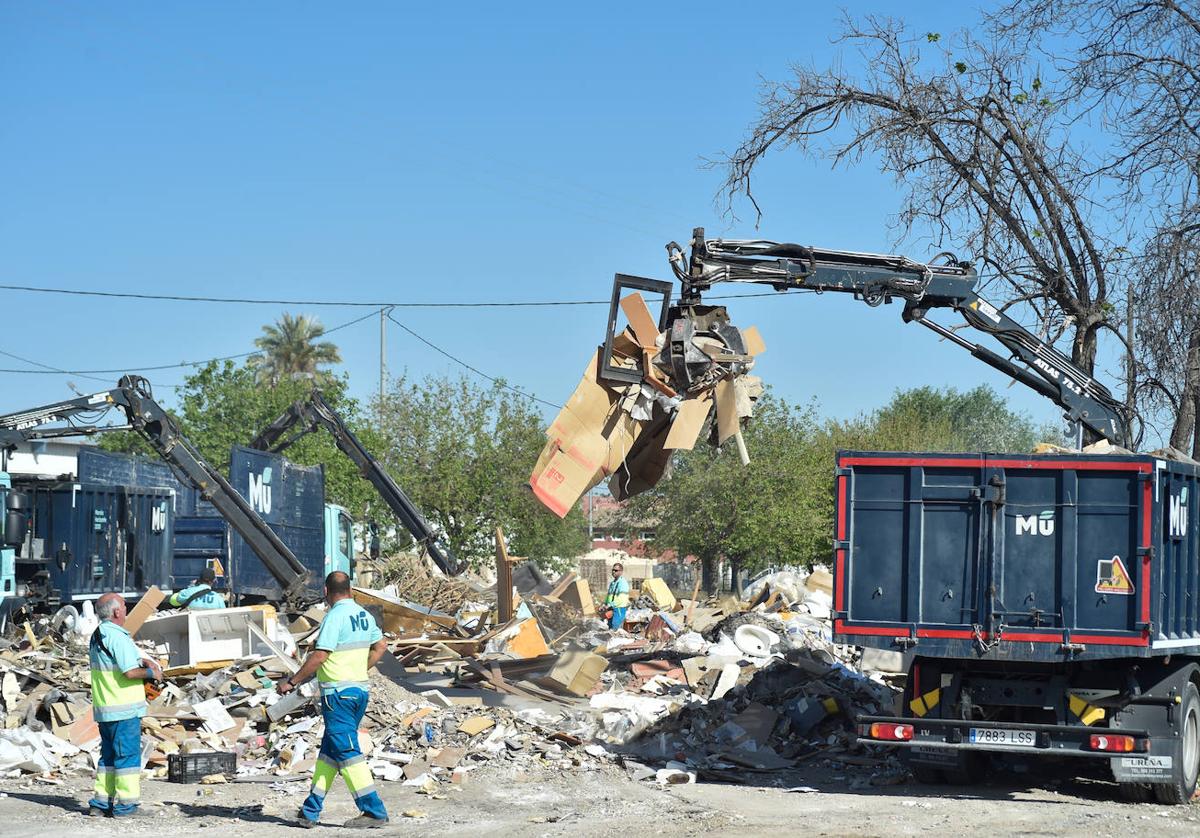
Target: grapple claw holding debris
{"points": [[648, 391]]}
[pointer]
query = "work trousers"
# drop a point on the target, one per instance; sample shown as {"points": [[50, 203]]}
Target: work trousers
{"points": [[343, 711], [618, 617], [119, 773]]}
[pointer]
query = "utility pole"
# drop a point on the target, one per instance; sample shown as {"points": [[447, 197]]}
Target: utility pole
{"points": [[382, 362]]}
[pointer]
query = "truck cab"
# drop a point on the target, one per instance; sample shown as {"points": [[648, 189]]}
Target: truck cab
{"points": [[339, 540]]}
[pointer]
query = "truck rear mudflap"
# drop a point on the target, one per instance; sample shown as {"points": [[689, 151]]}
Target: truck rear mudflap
{"points": [[938, 742]]}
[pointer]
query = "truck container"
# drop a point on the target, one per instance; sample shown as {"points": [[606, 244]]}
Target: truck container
{"points": [[289, 497], [1051, 605], [85, 539]]}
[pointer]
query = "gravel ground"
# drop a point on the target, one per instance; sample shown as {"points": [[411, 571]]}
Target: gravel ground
{"points": [[501, 801]]}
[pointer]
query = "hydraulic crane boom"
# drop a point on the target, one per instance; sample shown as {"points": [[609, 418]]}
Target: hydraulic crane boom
{"points": [[877, 279], [134, 398], [314, 412]]}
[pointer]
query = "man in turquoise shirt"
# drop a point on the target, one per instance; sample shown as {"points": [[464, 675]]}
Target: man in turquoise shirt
{"points": [[201, 595]]}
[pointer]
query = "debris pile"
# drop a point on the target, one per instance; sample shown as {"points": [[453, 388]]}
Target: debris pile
{"points": [[686, 690]]}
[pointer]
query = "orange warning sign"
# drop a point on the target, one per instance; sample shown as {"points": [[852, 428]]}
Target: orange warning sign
{"points": [[217, 568], [1113, 578]]}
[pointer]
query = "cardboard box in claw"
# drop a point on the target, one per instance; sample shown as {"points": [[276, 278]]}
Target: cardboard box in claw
{"points": [[627, 432]]}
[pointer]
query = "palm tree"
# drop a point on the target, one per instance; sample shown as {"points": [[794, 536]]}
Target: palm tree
{"points": [[289, 349]]}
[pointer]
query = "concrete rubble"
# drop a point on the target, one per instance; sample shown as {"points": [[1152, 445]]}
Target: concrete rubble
{"points": [[721, 690]]}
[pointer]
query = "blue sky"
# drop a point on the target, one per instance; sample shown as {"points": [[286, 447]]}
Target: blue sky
{"points": [[470, 152]]}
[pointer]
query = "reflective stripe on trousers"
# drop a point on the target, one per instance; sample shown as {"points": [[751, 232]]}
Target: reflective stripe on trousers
{"points": [[342, 712], [119, 772]]}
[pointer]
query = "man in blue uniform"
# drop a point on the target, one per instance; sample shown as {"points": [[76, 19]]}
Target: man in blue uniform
{"points": [[348, 644], [201, 595], [118, 672]]}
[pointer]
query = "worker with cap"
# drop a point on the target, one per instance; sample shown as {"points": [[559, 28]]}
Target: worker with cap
{"points": [[201, 595], [348, 644], [617, 601], [119, 671]]}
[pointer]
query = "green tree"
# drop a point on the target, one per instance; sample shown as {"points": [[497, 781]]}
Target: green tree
{"points": [[713, 507], [463, 452], [289, 350]]}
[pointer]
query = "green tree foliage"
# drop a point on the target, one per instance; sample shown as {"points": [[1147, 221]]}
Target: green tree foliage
{"points": [[779, 509], [713, 507], [463, 453], [289, 350], [223, 404]]}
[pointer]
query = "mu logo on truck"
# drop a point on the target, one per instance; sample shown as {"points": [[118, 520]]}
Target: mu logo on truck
{"points": [[1040, 524], [260, 491], [1177, 514]]}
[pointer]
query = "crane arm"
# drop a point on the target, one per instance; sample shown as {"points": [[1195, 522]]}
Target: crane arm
{"points": [[134, 398], [314, 412], [876, 279]]}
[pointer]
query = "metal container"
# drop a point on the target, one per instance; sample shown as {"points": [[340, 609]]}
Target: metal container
{"points": [[86, 539], [1006, 557], [291, 499]]}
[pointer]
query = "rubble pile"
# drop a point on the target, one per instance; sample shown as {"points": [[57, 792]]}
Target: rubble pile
{"points": [[720, 690]]}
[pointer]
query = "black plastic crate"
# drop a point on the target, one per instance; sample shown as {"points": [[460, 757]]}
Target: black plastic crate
{"points": [[189, 768]]}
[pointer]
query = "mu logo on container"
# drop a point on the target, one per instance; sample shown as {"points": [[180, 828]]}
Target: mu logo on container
{"points": [[1040, 524]]}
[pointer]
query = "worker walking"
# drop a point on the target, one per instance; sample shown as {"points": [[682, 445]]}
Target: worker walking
{"points": [[201, 595], [348, 644], [617, 601], [119, 671]]}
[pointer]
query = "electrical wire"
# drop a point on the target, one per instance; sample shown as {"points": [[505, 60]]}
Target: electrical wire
{"points": [[49, 370], [498, 381], [180, 298]]}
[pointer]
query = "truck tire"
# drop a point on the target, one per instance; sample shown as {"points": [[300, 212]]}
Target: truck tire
{"points": [[1186, 763]]}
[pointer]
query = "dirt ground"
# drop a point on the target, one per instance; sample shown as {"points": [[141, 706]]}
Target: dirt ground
{"points": [[501, 802]]}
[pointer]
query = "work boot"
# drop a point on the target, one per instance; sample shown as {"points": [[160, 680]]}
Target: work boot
{"points": [[97, 812], [365, 822], [303, 822]]}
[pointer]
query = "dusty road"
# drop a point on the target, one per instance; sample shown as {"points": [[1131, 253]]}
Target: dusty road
{"points": [[597, 803]]}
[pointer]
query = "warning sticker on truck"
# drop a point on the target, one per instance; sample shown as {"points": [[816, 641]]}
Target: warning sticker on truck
{"points": [[1137, 769], [1113, 578]]}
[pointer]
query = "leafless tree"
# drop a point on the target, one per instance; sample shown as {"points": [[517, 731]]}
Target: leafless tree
{"points": [[982, 149], [1135, 64]]}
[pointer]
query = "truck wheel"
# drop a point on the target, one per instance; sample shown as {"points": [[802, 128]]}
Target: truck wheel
{"points": [[1186, 763]]}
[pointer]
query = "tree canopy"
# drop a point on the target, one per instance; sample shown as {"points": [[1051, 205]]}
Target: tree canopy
{"points": [[289, 349]]}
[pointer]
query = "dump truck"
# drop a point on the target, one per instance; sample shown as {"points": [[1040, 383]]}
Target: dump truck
{"points": [[1050, 603]]}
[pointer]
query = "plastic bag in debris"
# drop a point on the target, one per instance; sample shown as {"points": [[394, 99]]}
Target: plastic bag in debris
{"points": [[819, 604], [806, 631], [625, 715], [788, 584], [33, 751], [690, 643]]}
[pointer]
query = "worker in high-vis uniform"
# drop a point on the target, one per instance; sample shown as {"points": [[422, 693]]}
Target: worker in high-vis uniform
{"points": [[201, 595], [119, 671], [348, 645], [617, 601]]}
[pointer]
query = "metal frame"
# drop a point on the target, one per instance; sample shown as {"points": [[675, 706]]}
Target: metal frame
{"points": [[607, 371]]}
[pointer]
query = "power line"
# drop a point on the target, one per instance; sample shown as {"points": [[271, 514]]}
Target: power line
{"points": [[181, 298], [49, 370], [475, 370]]}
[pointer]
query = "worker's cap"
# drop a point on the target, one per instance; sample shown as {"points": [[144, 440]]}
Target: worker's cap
{"points": [[208, 575]]}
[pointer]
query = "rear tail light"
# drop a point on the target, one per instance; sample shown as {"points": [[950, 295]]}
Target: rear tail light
{"points": [[889, 732], [1116, 742]]}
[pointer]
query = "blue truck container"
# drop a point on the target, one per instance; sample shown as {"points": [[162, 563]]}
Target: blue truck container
{"points": [[1051, 605], [289, 497], [88, 538]]}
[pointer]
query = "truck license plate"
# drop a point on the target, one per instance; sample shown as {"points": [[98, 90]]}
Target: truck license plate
{"points": [[1009, 738]]}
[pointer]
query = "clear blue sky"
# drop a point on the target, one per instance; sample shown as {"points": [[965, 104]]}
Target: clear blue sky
{"points": [[385, 152]]}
